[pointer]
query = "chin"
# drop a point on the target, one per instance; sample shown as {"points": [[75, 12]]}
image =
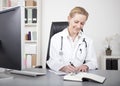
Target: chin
{"points": [[76, 32]]}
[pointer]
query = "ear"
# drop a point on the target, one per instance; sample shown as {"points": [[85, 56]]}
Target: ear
{"points": [[69, 18]]}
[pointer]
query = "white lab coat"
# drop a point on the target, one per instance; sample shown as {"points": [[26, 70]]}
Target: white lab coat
{"points": [[77, 55]]}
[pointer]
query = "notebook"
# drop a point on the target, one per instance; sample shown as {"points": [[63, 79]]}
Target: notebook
{"points": [[84, 76]]}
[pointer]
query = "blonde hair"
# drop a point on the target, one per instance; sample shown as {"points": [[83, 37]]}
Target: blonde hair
{"points": [[78, 10]]}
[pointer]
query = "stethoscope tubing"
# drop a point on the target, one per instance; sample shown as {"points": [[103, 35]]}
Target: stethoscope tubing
{"points": [[61, 48]]}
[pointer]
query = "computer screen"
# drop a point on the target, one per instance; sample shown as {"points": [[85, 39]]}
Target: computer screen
{"points": [[10, 38]]}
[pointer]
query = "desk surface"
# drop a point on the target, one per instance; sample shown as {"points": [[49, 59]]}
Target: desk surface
{"points": [[51, 79]]}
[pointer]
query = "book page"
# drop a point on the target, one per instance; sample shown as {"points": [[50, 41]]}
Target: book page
{"points": [[94, 77], [81, 75], [73, 77]]}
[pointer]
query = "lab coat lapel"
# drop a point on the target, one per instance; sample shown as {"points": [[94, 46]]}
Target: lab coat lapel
{"points": [[76, 47]]}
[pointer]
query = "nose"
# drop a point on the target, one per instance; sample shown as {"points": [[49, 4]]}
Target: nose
{"points": [[79, 25]]}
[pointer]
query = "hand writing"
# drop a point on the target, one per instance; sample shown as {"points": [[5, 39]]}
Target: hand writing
{"points": [[68, 69]]}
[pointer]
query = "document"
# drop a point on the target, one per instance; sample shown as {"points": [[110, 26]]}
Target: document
{"points": [[84, 76], [58, 72]]}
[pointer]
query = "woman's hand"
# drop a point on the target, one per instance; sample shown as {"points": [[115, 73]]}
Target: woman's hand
{"points": [[82, 68], [68, 69]]}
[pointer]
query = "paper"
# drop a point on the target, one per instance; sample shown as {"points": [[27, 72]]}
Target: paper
{"points": [[58, 72]]}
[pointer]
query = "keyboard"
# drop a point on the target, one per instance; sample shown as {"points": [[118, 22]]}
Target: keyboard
{"points": [[31, 72]]}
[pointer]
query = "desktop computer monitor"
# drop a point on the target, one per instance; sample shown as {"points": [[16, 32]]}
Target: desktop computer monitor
{"points": [[10, 38], [12, 42]]}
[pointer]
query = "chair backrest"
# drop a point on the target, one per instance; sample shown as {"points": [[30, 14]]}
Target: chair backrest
{"points": [[55, 28]]}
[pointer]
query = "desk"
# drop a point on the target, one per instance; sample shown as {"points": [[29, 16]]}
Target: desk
{"points": [[50, 79]]}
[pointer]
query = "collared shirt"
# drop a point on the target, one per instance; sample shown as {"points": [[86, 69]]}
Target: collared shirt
{"points": [[72, 51], [75, 41]]}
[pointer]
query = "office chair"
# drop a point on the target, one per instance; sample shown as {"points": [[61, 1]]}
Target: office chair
{"points": [[55, 28]]}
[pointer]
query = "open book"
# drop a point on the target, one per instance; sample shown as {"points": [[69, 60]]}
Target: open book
{"points": [[84, 76]]}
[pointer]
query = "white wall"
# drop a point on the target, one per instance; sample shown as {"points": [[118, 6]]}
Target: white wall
{"points": [[103, 21]]}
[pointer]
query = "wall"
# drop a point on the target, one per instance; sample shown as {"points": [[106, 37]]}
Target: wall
{"points": [[103, 21]]}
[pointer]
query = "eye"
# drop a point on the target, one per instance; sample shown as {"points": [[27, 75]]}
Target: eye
{"points": [[76, 21], [82, 23]]}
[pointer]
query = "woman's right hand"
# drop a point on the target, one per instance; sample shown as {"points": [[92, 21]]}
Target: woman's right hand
{"points": [[68, 69]]}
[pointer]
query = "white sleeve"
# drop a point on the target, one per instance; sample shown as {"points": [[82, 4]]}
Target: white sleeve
{"points": [[91, 59], [55, 61]]}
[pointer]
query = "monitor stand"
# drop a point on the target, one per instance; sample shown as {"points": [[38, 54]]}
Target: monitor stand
{"points": [[4, 74]]}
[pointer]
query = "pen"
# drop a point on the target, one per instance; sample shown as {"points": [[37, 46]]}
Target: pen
{"points": [[72, 64]]}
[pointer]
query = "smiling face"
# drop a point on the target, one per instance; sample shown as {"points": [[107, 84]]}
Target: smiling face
{"points": [[76, 23], [77, 18]]}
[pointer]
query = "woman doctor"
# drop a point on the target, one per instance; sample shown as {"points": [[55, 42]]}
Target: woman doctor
{"points": [[71, 50]]}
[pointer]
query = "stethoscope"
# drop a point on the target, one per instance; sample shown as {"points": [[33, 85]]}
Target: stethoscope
{"points": [[61, 48], [84, 41]]}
